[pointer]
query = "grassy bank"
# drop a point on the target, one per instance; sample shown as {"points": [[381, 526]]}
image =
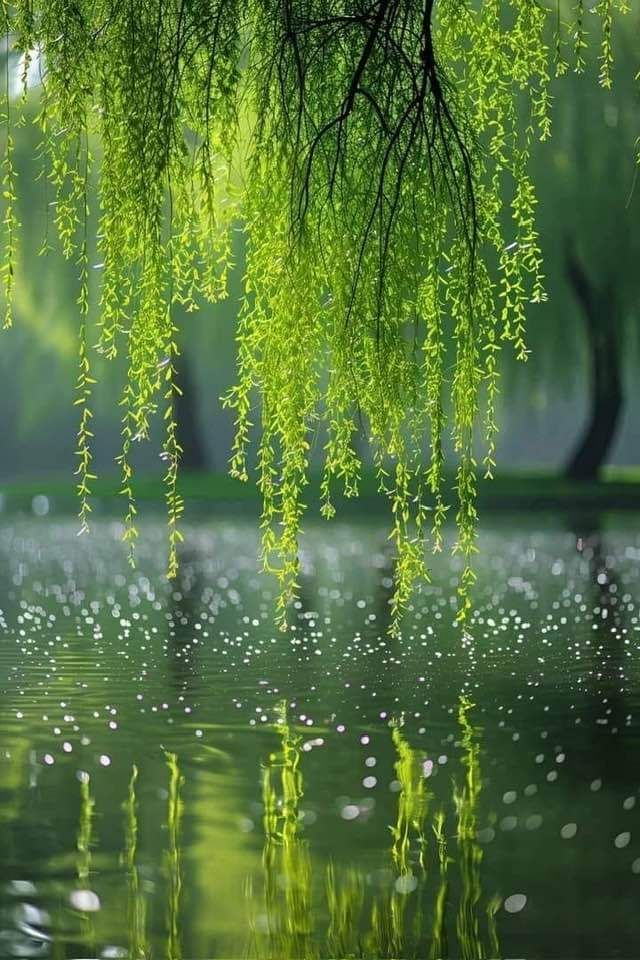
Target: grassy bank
{"points": [[617, 490]]}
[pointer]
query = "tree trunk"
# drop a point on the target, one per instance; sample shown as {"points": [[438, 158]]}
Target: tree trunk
{"points": [[605, 376], [194, 455]]}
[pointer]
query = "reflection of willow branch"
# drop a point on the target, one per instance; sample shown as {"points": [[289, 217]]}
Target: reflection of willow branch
{"points": [[389, 919], [174, 865], [388, 934], [439, 940], [466, 802], [396, 924], [84, 841], [494, 943], [345, 903], [85, 832], [285, 857], [412, 805], [136, 908]]}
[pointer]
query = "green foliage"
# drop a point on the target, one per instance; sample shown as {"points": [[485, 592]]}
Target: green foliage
{"points": [[374, 157]]}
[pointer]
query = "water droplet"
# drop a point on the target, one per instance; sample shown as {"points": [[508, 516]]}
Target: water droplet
{"points": [[407, 883], [40, 505], [515, 903], [85, 900]]}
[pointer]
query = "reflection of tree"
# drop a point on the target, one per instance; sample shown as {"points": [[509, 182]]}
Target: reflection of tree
{"points": [[603, 589], [603, 578], [185, 599], [603, 585], [384, 595]]}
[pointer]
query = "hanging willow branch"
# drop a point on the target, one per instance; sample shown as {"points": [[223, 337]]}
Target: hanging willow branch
{"points": [[375, 154]]}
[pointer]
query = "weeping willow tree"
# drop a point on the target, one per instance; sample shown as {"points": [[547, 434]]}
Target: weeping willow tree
{"points": [[373, 154]]}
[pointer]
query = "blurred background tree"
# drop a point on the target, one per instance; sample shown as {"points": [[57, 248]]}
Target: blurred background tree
{"points": [[584, 339], [40, 353]]}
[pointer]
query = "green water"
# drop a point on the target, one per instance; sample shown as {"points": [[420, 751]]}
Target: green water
{"points": [[179, 780]]}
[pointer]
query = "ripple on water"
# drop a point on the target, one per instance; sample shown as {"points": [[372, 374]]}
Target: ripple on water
{"points": [[162, 747]]}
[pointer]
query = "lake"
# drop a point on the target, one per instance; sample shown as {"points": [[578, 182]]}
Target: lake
{"points": [[178, 779]]}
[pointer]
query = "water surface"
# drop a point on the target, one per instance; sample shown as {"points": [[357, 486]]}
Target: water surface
{"points": [[180, 780]]}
